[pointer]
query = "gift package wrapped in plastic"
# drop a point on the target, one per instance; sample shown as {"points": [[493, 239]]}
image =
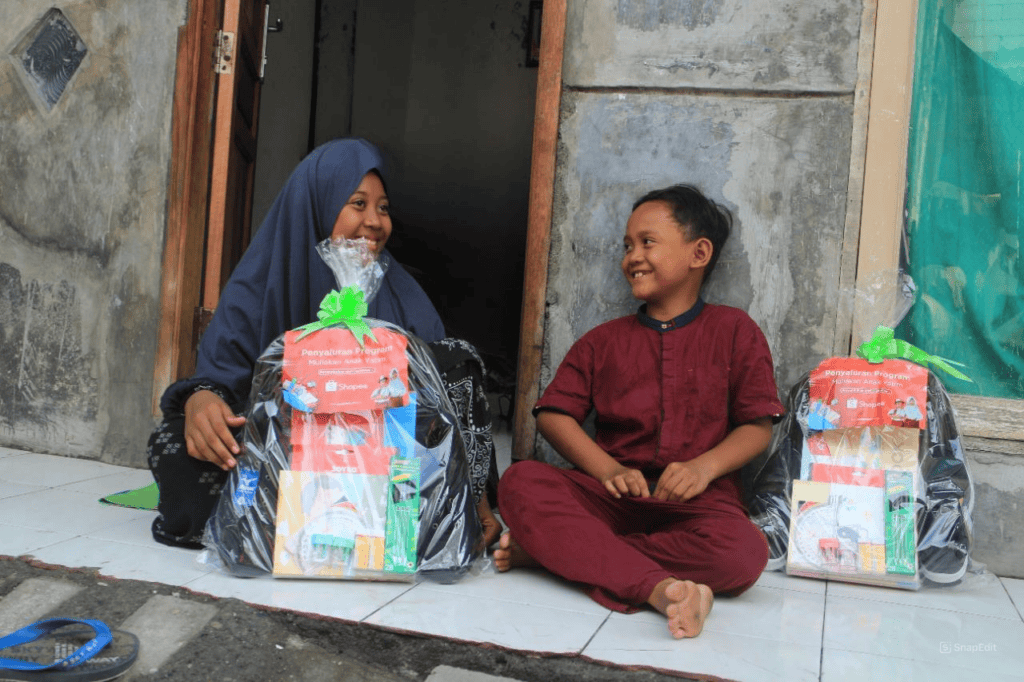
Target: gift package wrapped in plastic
{"points": [[866, 480], [353, 466]]}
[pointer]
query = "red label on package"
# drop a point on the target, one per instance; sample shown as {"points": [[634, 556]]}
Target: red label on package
{"points": [[339, 443], [848, 475], [849, 392], [328, 371]]}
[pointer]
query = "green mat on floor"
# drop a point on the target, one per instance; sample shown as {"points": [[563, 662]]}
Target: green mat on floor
{"points": [[140, 498]]}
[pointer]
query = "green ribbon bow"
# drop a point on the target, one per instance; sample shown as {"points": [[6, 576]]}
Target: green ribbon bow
{"points": [[345, 307], [884, 345]]}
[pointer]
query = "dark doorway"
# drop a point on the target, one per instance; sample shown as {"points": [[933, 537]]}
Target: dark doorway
{"points": [[449, 97]]}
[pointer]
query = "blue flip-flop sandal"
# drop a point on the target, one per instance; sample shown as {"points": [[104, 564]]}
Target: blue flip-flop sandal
{"points": [[62, 650]]}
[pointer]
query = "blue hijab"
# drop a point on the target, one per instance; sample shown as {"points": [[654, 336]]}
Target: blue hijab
{"points": [[280, 281]]}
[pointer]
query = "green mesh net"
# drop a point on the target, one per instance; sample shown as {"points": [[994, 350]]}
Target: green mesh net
{"points": [[964, 191]]}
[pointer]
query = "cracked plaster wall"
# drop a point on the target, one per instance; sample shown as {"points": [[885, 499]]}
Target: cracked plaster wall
{"points": [[788, 45], [83, 191]]}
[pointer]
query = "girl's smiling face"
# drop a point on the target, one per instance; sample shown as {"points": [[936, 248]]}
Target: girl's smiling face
{"points": [[366, 214]]}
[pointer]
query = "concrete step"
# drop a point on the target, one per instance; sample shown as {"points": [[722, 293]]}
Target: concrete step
{"points": [[446, 673], [31, 600]]}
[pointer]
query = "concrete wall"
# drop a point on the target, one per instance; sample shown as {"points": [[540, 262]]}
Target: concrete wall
{"points": [[447, 95], [82, 211], [997, 468], [791, 45], [750, 100]]}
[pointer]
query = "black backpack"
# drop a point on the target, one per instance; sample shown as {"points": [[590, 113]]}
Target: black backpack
{"points": [[943, 503]]}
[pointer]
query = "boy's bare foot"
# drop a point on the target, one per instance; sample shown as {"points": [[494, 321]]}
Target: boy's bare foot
{"points": [[510, 555], [686, 603]]}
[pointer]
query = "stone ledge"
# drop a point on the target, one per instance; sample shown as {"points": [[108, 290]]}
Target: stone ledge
{"points": [[990, 418]]}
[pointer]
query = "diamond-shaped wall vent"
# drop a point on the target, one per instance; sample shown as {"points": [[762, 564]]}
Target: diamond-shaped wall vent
{"points": [[49, 55]]}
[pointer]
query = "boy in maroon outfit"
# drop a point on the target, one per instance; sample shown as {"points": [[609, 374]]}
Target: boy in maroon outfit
{"points": [[684, 395]]}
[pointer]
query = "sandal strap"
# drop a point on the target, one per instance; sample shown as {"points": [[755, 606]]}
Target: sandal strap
{"points": [[33, 632]]}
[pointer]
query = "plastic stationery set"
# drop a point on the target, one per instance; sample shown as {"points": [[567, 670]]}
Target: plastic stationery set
{"points": [[354, 465], [866, 480]]}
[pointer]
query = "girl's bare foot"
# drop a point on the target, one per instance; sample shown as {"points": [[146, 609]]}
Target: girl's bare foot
{"points": [[491, 525], [686, 603], [510, 555]]}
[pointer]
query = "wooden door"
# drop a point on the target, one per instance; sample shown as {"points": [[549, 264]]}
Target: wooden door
{"points": [[234, 142], [213, 139]]}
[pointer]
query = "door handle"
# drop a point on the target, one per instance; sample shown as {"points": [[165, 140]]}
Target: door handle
{"points": [[268, 29]]}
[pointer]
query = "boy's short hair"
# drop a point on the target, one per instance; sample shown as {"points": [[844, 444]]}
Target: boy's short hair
{"points": [[698, 215]]}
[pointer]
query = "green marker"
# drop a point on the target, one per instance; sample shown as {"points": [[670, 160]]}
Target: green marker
{"points": [[900, 544], [403, 516]]}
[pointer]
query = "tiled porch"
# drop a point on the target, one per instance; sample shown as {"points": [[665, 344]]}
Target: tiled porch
{"points": [[783, 629]]}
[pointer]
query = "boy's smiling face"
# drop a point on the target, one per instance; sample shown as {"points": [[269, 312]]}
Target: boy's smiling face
{"points": [[663, 267]]}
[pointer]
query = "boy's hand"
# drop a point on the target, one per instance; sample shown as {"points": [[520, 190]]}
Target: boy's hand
{"points": [[572, 442], [208, 424], [682, 481], [622, 481]]}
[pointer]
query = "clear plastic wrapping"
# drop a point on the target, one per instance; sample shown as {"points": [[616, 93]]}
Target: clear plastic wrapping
{"points": [[866, 479], [353, 466]]}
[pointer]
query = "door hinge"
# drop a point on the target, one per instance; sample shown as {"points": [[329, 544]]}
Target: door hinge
{"points": [[224, 53]]}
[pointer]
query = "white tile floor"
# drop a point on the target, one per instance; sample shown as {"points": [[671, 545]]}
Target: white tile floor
{"points": [[782, 629]]}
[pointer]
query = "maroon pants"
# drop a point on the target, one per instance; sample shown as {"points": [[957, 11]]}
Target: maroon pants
{"points": [[620, 549]]}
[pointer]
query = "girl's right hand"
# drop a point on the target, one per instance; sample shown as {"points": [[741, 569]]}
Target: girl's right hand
{"points": [[208, 424], [623, 481]]}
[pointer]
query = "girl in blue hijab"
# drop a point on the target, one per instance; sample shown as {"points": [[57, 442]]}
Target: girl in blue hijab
{"points": [[336, 191]]}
